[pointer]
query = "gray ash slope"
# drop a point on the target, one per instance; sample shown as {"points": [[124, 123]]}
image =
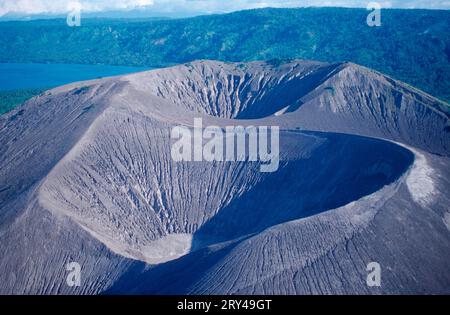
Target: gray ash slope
{"points": [[86, 175]]}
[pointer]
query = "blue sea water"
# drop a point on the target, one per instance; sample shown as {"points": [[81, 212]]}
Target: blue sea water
{"points": [[18, 76]]}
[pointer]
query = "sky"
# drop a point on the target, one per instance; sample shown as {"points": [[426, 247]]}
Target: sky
{"points": [[49, 7]]}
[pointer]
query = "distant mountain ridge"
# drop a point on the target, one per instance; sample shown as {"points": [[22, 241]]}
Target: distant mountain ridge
{"points": [[411, 45]]}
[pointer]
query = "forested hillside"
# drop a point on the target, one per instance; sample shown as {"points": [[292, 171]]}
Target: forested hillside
{"points": [[411, 45]]}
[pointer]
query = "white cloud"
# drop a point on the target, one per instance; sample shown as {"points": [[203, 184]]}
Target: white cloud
{"points": [[62, 6], [204, 6]]}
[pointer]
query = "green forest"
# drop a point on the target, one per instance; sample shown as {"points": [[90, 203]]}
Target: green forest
{"points": [[411, 45], [11, 99]]}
